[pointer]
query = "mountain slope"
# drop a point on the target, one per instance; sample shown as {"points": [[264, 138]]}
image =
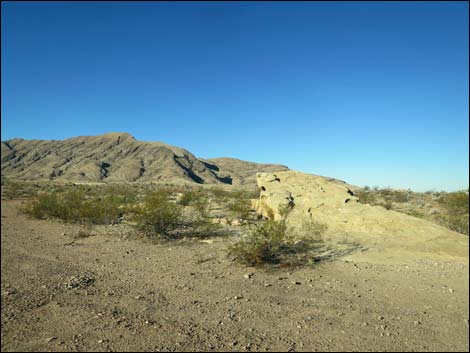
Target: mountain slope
{"points": [[120, 157]]}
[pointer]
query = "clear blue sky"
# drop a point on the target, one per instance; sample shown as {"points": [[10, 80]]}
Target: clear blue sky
{"points": [[374, 93]]}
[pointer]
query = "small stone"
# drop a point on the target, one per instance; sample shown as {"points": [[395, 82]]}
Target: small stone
{"points": [[416, 322], [248, 275], [451, 290]]}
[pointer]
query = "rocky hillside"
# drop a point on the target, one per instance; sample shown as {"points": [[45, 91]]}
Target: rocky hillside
{"points": [[120, 157]]}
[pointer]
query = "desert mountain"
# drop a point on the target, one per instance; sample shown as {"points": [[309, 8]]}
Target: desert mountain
{"points": [[120, 157]]}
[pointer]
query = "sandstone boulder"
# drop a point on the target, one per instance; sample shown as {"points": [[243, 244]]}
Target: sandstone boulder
{"points": [[383, 233]]}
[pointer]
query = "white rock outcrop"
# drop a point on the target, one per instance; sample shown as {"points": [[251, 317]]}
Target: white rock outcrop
{"points": [[333, 202]]}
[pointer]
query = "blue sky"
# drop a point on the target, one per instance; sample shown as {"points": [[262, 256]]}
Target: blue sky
{"points": [[374, 93]]}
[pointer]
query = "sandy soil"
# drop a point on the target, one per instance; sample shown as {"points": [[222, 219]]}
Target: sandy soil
{"points": [[115, 291]]}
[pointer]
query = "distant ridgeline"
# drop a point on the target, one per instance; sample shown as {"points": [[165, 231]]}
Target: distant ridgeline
{"points": [[120, 157]]}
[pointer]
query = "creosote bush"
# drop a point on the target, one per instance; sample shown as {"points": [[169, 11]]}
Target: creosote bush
{"points": [[263, 245], [274, 243], [457, 206], [240, 208], [76, 207], [157, 215]]}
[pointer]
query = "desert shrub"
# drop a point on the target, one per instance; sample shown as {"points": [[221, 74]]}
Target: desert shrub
{"points": [[262, 245], [456, 222], [124, 194], [394, 195], [456, 205], [198, 199], [274, 243], [367, 197], [384, 197], [455, 202], [76, 207], [202, 206], [220, 194], [15, 189], [244, 194], [45, 206], [414, 213], [157, 216], [188, 197], [240, 208]]}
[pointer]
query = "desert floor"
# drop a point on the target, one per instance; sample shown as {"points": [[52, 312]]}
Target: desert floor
{"points": [[114, 291]]}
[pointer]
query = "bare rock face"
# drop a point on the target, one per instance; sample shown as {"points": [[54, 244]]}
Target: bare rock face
{"points": [[384, 233]]}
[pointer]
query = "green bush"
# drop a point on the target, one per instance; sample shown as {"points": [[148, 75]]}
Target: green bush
{"points": [[76, 207], [367, 197], [273, 243], [123, 194], [197, 199], [237, 194], [394, 195], [240, 208], [16, 189], [262, 245], [455, 202], [456, 222], [45, 206], [220, 194], [188, 198], [414, 213], [456, 205], [202, 206], [157, 216]]}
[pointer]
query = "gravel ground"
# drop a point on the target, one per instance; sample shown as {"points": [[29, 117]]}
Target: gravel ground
{"points": [[114, 291]]}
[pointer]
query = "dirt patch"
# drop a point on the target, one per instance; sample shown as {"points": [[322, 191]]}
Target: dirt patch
{"points": [[133, 294]]}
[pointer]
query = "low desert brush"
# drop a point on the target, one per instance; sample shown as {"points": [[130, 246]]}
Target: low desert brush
{"points": [[273, 242], [158, 216]]}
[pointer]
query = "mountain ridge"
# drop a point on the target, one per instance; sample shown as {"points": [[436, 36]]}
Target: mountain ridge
{"points": [[118, 156]]}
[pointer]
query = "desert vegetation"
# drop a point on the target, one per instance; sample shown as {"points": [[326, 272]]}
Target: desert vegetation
{"points": [[171, 212], [160, 212], [275, 243], [76, 206], [449, 209]]}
